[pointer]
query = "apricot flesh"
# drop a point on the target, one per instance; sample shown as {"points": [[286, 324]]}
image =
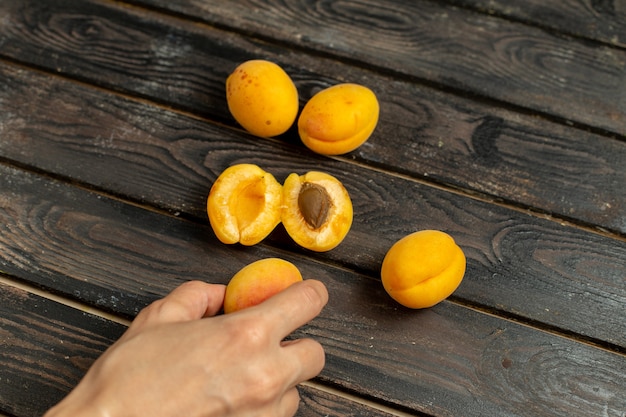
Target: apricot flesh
{"points": [[262, 98], [244, 204], [258, 281], [423, 268], [338, 119], [317, 210]]}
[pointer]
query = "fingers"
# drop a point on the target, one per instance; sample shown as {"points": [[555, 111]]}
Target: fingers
{"points": [[308, 356], [289, 403], [190, 301], [303, 359], [294, 307]]}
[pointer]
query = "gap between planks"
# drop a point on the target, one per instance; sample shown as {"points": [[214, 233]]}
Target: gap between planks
{"points": [[354, 399], [108, 316], [62, 300], [462, 192]]}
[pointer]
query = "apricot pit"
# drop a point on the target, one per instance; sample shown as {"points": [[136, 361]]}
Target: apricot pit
{"points": [[317, 210], [244, 204]]}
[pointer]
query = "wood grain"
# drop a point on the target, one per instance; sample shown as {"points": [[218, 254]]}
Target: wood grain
{"points": [[47, 347], [479, 54], [531, 268], [113, 127], [446, 357], [601, 20], [423, 132], [45, 350]]}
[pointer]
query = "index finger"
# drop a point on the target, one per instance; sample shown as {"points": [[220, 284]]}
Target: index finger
{"points": [[294, 307], [190, 301]]}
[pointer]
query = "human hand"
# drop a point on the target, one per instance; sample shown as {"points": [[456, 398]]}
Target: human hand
{"points": [[175, 359]]}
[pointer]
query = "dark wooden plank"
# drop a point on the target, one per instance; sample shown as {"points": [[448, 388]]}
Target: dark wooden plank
{"points": [[47, 347], [468, 51], [448, 360], [45, 350], [535, 269], [319, 403], [601, 20], [423, 132], [120, 48]]}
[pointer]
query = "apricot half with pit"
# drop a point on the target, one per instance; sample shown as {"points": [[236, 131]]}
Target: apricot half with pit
{"points": [[258, 281], [338, 119], [317, 210], [423, 268], [244, 204], [262, 98]]}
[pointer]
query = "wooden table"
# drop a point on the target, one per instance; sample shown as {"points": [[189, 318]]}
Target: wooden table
{"points": [[502, 123]]}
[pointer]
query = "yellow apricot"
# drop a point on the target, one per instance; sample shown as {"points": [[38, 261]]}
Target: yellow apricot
{"points": [[317, 210], [262, 98], [423, 268], [338, 119], [258, 281], [244, 204]]}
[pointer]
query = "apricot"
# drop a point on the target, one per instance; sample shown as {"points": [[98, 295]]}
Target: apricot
{"points": [[317, 210], [338, 119], [258, 281], [262, 98], [423, 268], [244, 204]]}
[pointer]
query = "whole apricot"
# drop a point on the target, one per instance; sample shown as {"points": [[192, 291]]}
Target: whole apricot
{"points": [[423, 268], [338, 119], [258, 281], [317, 210], [244, 204], [262, 98]]}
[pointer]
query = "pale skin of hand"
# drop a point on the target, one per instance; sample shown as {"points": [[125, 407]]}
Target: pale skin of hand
{"points": [[178, 358]]}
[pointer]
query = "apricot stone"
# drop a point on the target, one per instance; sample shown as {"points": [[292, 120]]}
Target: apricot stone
{"points": [[258, 281], [262, 98], [338, 119], [423, 268], [317, 210], [244, 204]]}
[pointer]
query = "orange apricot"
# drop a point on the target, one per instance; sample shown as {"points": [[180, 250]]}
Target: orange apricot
{"points": [[244, 204], [262, 98], [258, 281], [338, 119], [317, 210], [423, 268]]}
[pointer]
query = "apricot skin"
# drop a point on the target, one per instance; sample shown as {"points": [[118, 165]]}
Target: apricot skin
{"points": [[244, 204], [338, 119], [258, 281], [423, 268], [326, 222], [262, 98]]}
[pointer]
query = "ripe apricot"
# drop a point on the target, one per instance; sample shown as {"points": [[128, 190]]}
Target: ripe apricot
{"points": [[423, 268], [262, 98], [338, 119], [258, 281], [244, 204], [317, 210]]}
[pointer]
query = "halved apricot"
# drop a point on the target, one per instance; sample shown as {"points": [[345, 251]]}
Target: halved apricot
{"points": [[423, 268], [338, 119], [317, 210], [244, 204]]}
